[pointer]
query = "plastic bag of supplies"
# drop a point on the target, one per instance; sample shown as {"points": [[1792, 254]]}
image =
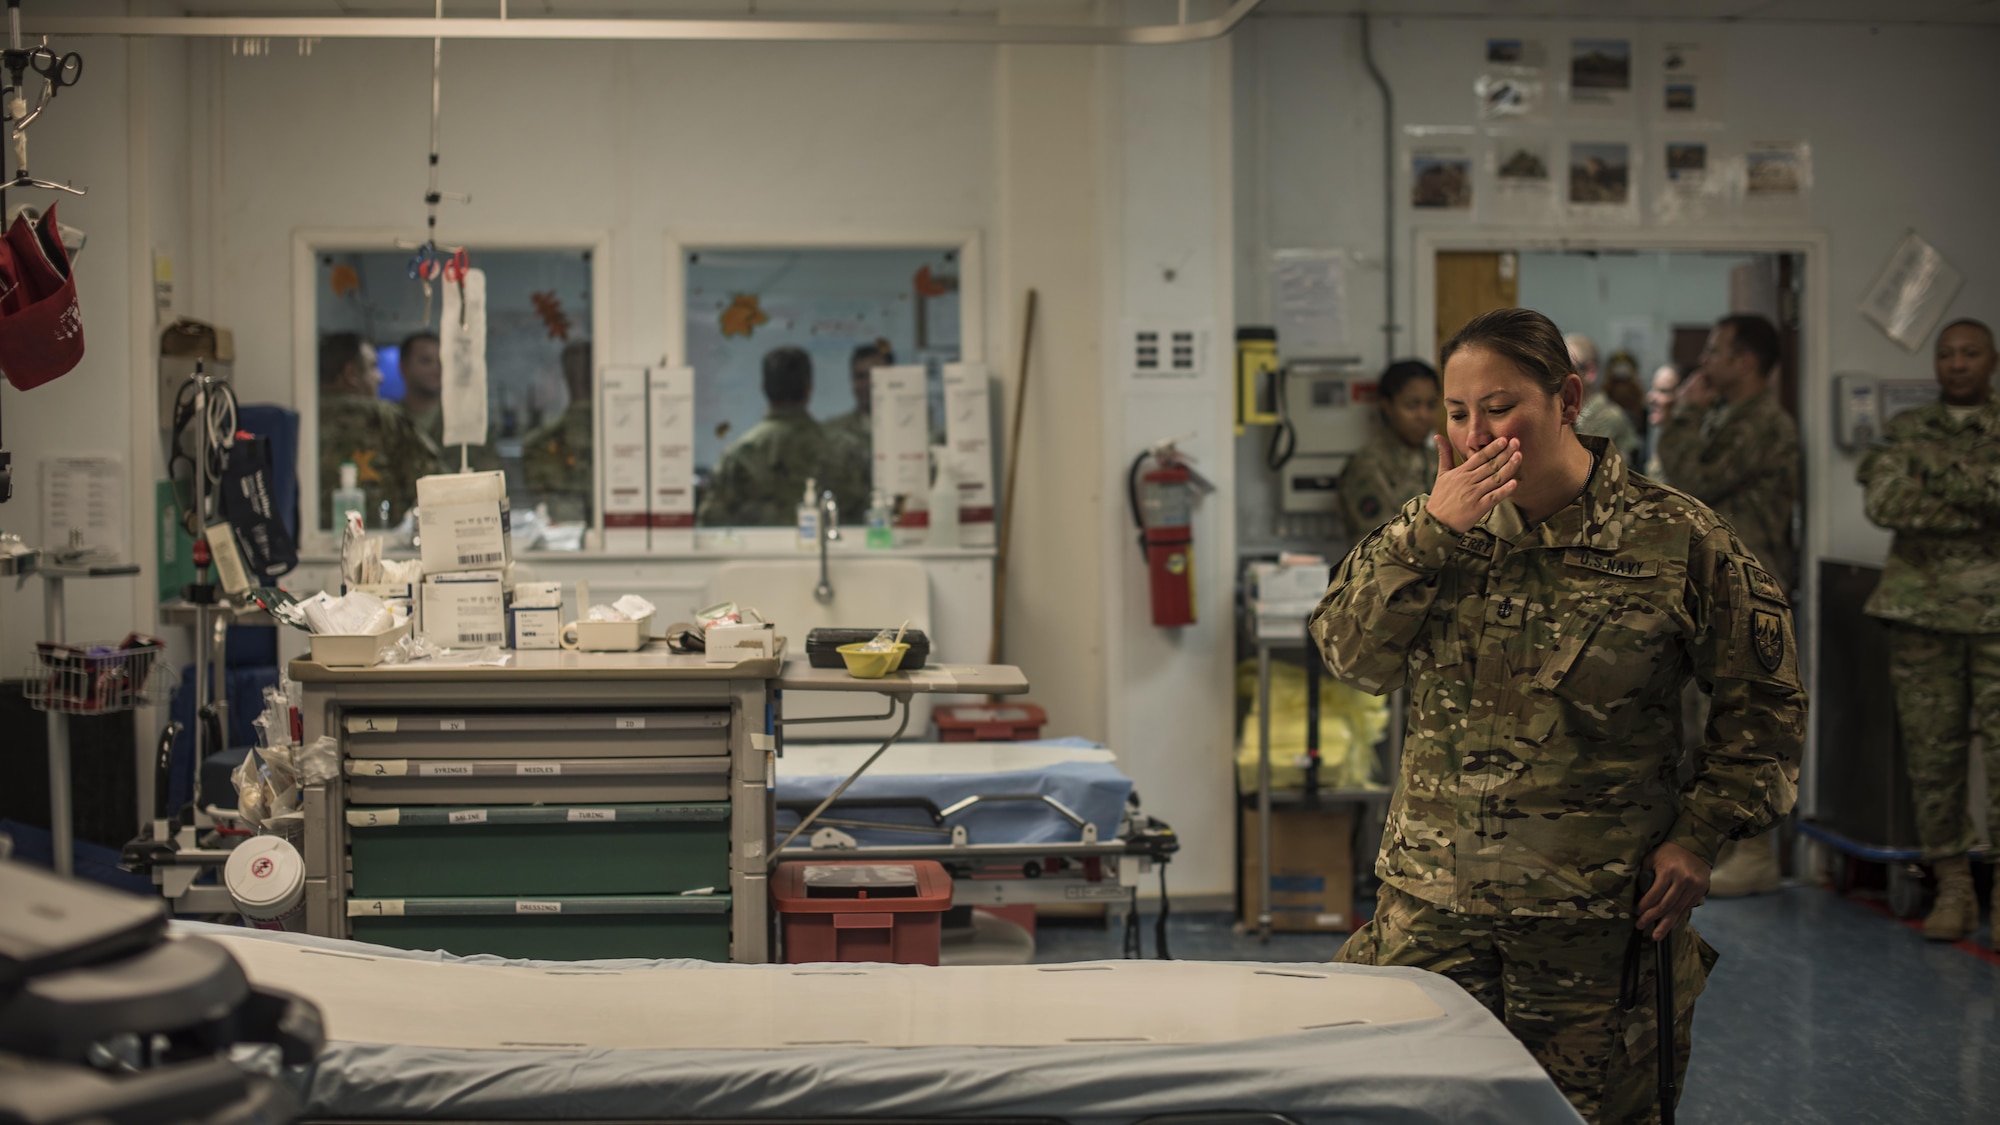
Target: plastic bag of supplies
{"points": [[1351, 726]]}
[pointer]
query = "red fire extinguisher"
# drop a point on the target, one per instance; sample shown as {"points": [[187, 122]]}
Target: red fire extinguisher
{"points": [[1162, 498]]}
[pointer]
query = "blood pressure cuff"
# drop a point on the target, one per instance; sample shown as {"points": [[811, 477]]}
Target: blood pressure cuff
{"points": [[250, 505], [41, 326]]}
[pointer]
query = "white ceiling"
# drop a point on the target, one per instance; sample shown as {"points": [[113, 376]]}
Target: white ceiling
{"points": [[1803, 11]]}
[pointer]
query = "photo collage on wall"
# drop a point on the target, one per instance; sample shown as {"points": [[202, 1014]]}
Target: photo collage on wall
{"points": [[1601, 129]]}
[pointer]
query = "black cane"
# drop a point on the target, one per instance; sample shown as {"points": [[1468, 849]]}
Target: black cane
{"points": [[1663, 1013]]}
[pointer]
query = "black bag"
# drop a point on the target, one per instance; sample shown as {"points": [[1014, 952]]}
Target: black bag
{"points": [[252, 511]]}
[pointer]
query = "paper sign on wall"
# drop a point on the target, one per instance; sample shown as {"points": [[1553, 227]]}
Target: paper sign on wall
{"points": [[670, 448], [968, 431], [1910, 296]]}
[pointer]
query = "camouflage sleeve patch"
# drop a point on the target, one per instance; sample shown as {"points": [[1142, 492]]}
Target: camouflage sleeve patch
{"points": [[1762, 644]]}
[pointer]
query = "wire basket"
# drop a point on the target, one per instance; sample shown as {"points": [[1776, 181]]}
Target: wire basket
{"points": [[96, 679]]}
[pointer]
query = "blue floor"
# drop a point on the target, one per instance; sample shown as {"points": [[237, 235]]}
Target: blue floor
{"points": [[1821, 1010]]}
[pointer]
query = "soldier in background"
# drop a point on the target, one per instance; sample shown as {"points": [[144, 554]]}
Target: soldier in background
{"points": [[1600, 417], [556, 455], [1728, 443], [1544, 606], [1397, 464], [762, 477], [1659, 404], [387, 449], [1935, 482], [850, 437]]}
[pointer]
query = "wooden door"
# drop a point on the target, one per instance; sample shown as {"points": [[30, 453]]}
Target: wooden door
{"points": [[1470, 282]]}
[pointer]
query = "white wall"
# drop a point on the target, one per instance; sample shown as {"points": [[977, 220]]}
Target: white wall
{"points": [[1896, 117]]}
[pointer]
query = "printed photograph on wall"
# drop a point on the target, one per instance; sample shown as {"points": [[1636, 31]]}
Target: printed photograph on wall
{"points": [[1686, 161], [1524, 184], [1600, 71], [1687, 89], [1516, 54], [1600, 173], [1508, 97], [1773, 171], [1440, 180]]}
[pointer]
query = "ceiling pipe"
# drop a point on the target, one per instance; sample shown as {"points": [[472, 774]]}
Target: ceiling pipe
{"points": [[694, 30]]}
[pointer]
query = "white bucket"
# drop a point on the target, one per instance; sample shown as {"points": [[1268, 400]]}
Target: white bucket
{"points": [[266, 876]]}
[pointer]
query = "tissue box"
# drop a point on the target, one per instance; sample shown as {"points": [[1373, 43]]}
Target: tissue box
{"points": [[536, 626], [465, 609], [464, 522], [728, 644]]}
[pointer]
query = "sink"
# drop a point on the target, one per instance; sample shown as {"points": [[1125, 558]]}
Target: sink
{"points": [[866, 593]]}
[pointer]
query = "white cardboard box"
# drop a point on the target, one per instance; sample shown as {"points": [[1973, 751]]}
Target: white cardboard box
{"points": [[670, 452], [727, 644], [537, 595], [968, 431], [624, 420], [465, 610], [464, 522], [536, 626]]}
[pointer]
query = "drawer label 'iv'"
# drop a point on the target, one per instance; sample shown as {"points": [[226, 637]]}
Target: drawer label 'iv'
{"points": [[625, 723]]}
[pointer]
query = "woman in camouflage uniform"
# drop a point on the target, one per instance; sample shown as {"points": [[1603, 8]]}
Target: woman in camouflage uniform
{"points": [[1397, 463], [1544, 606], [1935, 482]]}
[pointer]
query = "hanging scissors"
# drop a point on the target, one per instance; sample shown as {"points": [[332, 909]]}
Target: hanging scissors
{"points": [[60, 70]]}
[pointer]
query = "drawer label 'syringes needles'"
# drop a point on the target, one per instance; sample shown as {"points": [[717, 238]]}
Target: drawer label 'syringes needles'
{"points": [[443, 769], [537, 769]]}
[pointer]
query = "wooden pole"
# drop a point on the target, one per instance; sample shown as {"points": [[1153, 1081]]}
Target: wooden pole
{"points": [[1007, 498]]}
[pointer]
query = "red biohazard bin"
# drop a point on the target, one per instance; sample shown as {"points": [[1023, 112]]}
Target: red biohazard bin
{"points": [[855, 910], [989, 722]]}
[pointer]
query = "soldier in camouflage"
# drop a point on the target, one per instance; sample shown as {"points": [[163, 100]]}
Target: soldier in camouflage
{"points": [[556, 460], [1935, 482], [1600, 416], [354, 425], [1728, 442], [1544, 607], [762, 477], [1397, 463]]}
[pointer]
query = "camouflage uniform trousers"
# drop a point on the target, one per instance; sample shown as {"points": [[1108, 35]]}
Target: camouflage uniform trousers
{"points": [[1559, 984], [1947, 685]]}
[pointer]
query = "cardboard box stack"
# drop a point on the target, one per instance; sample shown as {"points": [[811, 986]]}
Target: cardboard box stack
{"points": [[1312, 869], [466, 554]]}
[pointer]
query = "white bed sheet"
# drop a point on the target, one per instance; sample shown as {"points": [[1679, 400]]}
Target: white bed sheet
{"points": [[1460, 1066]]}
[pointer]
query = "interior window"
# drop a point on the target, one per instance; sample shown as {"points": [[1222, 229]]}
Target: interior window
{"points": [[379, 376], [781, 342]]}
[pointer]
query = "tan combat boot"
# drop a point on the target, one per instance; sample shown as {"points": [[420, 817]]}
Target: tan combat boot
{"points": [[1956, 912], [1746, 867]]}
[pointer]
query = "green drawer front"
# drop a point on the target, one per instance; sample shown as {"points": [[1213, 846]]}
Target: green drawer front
{"points": [[649, 849], [557, 937]]}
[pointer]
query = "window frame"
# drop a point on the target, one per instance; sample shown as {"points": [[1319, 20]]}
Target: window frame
{"points": [[308, 243]]}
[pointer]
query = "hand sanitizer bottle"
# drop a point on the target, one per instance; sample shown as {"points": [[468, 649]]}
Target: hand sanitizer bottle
{"points": [[809, 517], [349, 497], [881, 522]]}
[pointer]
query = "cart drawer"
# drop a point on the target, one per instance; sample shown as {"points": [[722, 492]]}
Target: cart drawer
{"points": [[514, 781], [505, 851], [566, 928], [597, 733]]}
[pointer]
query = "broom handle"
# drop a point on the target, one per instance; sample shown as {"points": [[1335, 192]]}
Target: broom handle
{"points": [[1007, 498]]}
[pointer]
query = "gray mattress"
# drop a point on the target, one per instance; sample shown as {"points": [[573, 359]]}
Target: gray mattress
{"points": [[1462, 1067]]}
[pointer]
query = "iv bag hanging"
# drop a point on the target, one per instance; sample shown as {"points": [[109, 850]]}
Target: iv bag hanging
{"points": [[462, 353]]}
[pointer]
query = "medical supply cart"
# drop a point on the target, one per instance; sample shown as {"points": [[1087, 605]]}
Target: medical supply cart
{"points": [[1278, 620], [566, 805]]}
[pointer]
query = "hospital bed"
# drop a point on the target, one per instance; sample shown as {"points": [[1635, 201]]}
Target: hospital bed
{"points": [[1013, 822], [416, 1036]]}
